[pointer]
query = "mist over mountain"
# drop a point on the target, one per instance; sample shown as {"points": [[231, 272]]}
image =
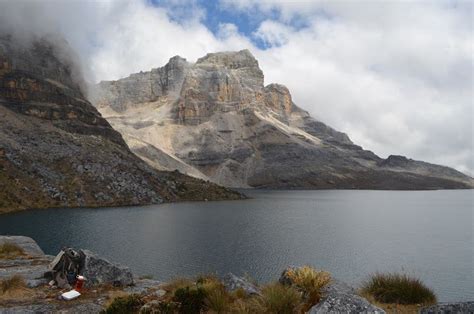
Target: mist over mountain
{"points": [[56, 150]]}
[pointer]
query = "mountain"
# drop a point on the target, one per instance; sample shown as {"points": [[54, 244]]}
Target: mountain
{"points": [[215, 119], [56, 150]]}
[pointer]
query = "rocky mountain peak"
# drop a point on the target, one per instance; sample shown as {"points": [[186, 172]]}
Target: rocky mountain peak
{"points": [[230, 59], [215, 119], [278, 98]]}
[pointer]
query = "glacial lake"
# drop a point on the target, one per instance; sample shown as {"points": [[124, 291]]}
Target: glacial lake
{"points": [[428, 234]]}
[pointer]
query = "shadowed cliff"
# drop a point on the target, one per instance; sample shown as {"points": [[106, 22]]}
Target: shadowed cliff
{"points": [[56, 150]]}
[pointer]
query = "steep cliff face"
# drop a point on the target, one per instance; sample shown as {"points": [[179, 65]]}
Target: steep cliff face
{"points": [[56, 150], [215, 119]]}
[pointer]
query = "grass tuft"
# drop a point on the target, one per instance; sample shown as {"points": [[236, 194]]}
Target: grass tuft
{"points": [[10, 250], [277, 298], [124, 305], [310, 282], [15, 282], [191, 299], [398, 288]]}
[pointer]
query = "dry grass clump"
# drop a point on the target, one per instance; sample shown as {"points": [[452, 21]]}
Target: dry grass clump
{"points": [[207, 294], [14, 289], [177, 283], [309, 281], [398, 289], [277, 298], [15, 282], [124, 305], [10, 250]]}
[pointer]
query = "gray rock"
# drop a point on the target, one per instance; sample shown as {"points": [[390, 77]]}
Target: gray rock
{"points": [[31, 266], [98, 270], [232, 282], [29, 246], [341, 298], [453, 308]]}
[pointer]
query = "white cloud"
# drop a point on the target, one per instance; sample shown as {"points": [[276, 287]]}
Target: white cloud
{"points": [[396, 76]]}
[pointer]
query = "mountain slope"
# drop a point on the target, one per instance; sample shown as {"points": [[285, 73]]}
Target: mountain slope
{"points": [[217, 117], [56, 150]]}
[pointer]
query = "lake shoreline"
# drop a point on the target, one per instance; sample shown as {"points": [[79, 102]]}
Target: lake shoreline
{"points": [[344, 232], [338, 296]]}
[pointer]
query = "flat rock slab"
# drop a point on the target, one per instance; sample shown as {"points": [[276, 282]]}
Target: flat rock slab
{"points": [[29, 246], [30, 266], [341, 298], [454, 308]]}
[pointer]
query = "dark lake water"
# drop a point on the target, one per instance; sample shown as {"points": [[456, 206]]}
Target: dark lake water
{"points": [[349, 233]]}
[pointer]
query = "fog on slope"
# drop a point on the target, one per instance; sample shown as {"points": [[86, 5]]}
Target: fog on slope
{"points": [[396, 77]]}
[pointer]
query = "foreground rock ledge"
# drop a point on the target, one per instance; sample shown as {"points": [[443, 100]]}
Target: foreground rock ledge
{"points": [[33, 263]]}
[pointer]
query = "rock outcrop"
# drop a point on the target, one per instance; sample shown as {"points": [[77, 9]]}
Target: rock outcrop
{"points": [[215, 119], [56, 150], [100, 271], [341, 298], [232, 283]]}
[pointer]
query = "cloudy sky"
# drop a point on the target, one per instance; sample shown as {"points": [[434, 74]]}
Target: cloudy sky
{"points": [[396, 76]]}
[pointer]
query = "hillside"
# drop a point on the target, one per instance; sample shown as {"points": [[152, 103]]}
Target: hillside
{"points": [[56, 150]]}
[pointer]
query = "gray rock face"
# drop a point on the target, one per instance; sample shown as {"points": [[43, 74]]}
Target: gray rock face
{"points": [[98, 270], [454, 308], [232, 282], [216, 120], [340, 298], [56, 150]]}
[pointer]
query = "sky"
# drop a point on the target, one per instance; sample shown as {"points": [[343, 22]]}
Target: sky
{"points": [[396, 76]]}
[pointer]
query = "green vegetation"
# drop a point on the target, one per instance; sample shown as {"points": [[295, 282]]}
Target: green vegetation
{"points": [[397, 288], [207, 294], [300, 289], [10, 250], [124, 305], [190, 299], [13, 283]]}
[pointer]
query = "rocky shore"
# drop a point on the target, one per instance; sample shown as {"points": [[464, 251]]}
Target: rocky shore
{"points": [[107, 280]]}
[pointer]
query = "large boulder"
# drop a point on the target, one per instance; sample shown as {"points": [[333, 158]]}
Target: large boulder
{"points": [[27, 244], [232, 282], [98, 270]]}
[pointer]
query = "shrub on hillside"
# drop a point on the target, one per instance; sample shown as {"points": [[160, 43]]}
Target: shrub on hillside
{"points": [[278, 298], [398, 288], [191, 299], [309, 281], [125, 305]]}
